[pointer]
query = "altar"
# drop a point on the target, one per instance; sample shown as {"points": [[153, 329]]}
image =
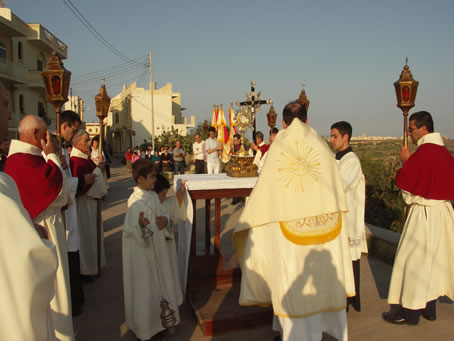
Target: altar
{"points": [[202, 266]]}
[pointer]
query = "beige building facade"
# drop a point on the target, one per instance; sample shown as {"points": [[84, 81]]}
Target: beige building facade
{"points": [[24, 52], [130, 118]]}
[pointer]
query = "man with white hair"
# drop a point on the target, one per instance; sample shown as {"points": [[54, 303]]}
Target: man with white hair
{"points": [[87, 196], [27, 281], [44, 192]]}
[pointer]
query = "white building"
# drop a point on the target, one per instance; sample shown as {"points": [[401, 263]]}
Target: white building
{"points": [[130, 118], [76, 104], [24, 52]]}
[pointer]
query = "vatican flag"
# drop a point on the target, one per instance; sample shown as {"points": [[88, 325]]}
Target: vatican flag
{"points": [[214, 117], [223, 136]]}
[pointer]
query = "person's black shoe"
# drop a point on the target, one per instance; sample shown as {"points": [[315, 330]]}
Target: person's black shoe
{"points": [[428, 317], [397, 318]]}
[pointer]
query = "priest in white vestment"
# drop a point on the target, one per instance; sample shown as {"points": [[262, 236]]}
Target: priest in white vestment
{"points": [[355, 192], [423, 268], [25, 163], [28, 263], [87, 204], [150, 270], [294, 254]]}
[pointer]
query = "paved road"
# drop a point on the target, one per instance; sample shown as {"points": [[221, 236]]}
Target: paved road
{"points": [[103, 315]]}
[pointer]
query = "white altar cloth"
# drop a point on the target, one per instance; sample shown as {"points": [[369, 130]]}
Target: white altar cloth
{"points": [[198, 182]]}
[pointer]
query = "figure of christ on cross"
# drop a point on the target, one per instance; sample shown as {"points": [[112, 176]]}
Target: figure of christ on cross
{"points": [[254, 102]]}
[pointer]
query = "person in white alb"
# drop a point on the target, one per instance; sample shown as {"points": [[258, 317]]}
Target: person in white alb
{"points": [[212, 149], [355, 192]]}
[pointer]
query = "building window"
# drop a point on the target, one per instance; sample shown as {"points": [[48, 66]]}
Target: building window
{"points": [[21, 104], [117, 118], [39, 65], [2, 53], [41, 110], [89, 130], [20, 51]]}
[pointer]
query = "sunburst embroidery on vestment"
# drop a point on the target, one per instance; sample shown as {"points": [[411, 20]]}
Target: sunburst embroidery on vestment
{"points": [[299, 167]]}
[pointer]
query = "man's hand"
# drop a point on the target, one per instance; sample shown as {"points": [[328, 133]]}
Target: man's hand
{"points": [[100, 159], [89, 178], [143, 221], [161, 222], [405, 153], [49, 146], [63, 162], [42, 232], [254, 146]]}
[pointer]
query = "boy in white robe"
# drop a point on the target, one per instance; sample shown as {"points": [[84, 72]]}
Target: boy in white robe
{"points": [[149, 274]]}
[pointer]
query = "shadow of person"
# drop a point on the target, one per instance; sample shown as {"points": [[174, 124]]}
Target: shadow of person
{"points": [[323, 299]]}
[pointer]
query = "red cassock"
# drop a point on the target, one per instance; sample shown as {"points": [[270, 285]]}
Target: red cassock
{"points": [[264, 148], [428, 173], [80, 167], [39, 182]]}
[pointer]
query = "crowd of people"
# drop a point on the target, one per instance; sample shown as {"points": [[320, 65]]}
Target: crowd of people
{"points": [[311, 224]]}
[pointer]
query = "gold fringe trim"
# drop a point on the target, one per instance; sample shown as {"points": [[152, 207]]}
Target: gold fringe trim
{"points": [[311, 240]]}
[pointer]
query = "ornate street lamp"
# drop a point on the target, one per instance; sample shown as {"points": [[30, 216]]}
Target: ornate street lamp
{"points": [[271, 117], [102, 102], [56, 84], [303, 99], [406, 88]]}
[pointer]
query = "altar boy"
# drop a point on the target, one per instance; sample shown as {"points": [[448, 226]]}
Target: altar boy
{"points": [[146, 265]]}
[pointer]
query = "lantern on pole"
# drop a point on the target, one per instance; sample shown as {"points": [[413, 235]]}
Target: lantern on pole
{"points": [[303, 99], [271, 117], [102, 103], [56, 85], [406, 87]]}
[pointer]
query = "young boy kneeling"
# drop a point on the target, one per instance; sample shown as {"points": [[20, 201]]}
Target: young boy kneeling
{"points": [[148, 273]]}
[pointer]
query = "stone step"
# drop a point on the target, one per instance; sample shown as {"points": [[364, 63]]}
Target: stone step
{"points": [[218, 312]]}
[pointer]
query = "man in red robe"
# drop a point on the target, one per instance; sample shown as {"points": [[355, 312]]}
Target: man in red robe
{"points": [[44, 192], [87, 210], [28, 275], [424, 265]]}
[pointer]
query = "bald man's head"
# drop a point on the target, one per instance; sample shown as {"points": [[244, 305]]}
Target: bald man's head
{"points": [[32, 129]]}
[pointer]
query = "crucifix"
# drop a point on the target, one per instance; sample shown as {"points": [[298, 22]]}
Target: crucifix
{"points": [[253, 104]]}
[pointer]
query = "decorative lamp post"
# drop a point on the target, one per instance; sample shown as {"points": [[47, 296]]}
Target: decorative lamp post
{"points": [[56, 84], [206, 126], [406, 87], [303, 99], [102, 102], [271, 116]]}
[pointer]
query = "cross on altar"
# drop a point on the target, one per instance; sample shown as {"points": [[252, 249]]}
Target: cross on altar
{"points": [[253, 103]]}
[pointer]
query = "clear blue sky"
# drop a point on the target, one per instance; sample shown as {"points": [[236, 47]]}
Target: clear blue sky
{"points": [[348, 53]]}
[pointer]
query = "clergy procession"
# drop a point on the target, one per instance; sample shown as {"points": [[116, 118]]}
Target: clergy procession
{"points": [[298, 241]]}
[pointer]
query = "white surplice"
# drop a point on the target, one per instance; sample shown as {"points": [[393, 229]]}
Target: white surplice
{"points": [[423, 269], [355, 193], [71, 222], [28, 268], [51, 218], [87, 211], [150, 270]]}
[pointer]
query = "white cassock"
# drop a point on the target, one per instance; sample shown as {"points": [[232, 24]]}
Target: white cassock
{"points": [[150, 270], [355, 193], [94, 157], [52, 219], [71, 223], [87, 207], [28, 268], [306, 271]]}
